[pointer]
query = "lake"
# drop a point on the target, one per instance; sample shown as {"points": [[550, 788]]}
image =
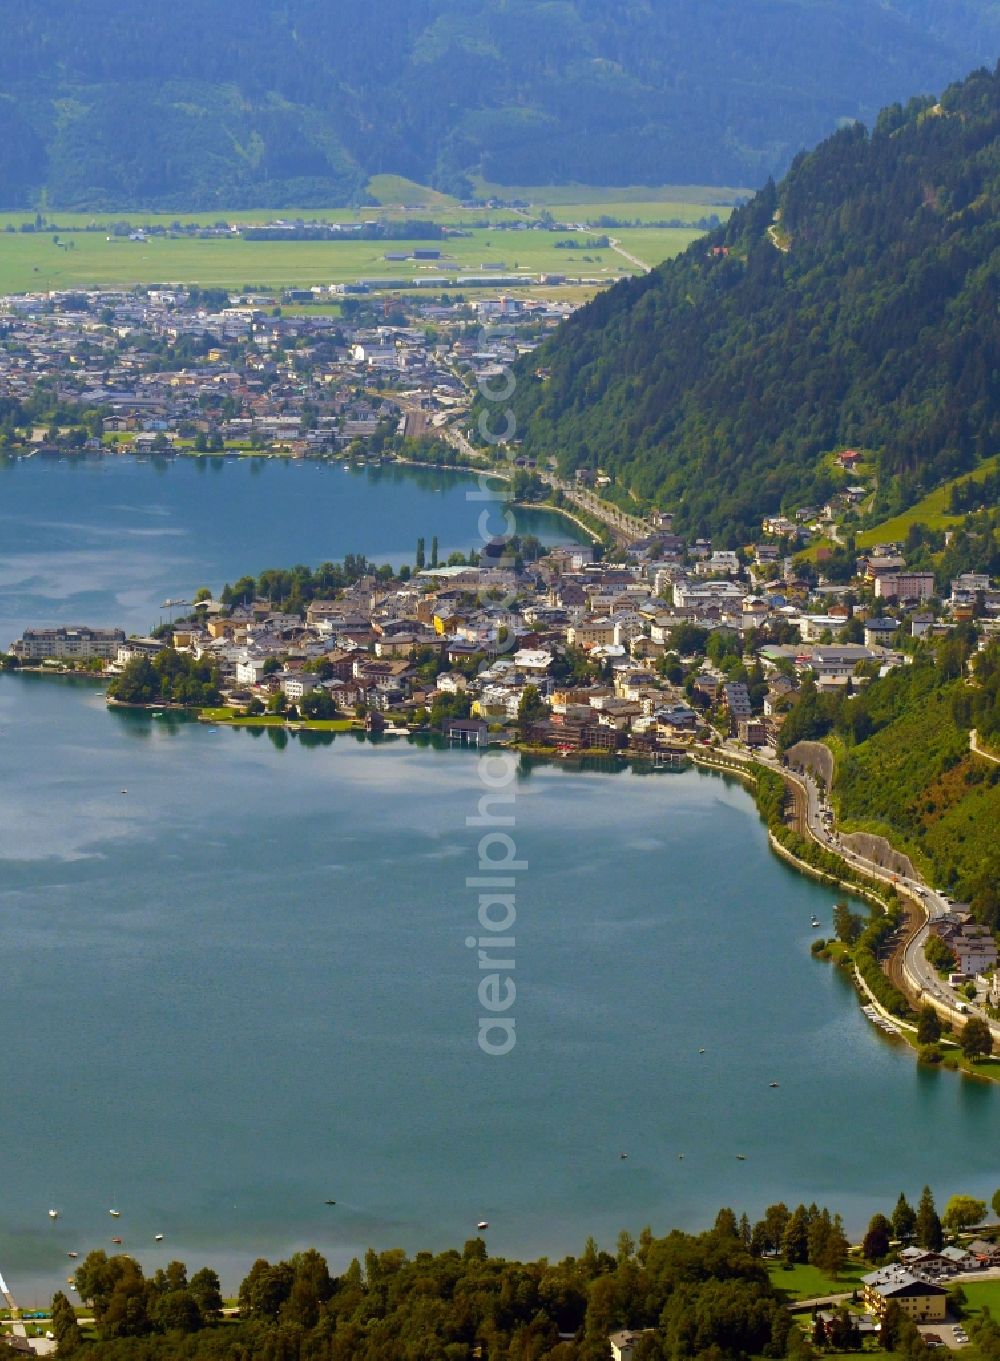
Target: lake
{"points": [[104, 540], [242, 987]]}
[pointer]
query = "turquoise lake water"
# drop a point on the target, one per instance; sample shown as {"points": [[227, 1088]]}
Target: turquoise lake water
{"points": [[243, 986], [105, 540]]}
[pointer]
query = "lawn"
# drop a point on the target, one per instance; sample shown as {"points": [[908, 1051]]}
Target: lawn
{"points": [[982, 1294], [802, 1282], [234, 719], [931, 511]]}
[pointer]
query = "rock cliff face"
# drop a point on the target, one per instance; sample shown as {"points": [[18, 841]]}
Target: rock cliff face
{"points": [[878, 849], [813, 757]]}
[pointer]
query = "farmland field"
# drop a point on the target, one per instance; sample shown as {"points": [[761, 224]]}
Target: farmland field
{"points": [[33, 260]]}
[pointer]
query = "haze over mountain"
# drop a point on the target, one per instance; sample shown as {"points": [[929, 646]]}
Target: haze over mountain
{"points": [[856, 303], [238, 102]]}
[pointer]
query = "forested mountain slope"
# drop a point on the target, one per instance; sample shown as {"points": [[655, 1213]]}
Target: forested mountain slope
{"points": [[104, 103], [854, 304]]}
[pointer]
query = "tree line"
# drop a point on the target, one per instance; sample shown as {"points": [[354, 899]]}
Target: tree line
{"points": [[706, 1295]]}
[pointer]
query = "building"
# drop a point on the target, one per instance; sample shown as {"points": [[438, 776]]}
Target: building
{"points": [[972, 945], [138, 647], [880, 632], [905, 585], [623, 1342], [812, 627], [752, 731], [738, 704], [78, 643], [921, 1301], [474, 732]]}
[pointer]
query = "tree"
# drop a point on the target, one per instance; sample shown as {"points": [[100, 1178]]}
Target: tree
{"points": [[819, 1230], [206, 1292], [847, 924], [928, 1025], [875, 1245], [773, 1225], [795, 1241], [529, 710], [938, 954], [434, 551], [892, 1321], [995, 1202], [177, 1312], [420, 559], [928, 1225], [904, 1219], [833, 1256], [962, 1212], [976, 1039], [64, 1324]]}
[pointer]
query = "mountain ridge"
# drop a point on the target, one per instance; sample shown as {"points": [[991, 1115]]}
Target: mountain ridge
{"points": [[238, 105], [854, 304]]}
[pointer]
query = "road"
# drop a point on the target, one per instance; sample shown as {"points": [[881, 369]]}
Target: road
{"points": [[974, 746], [908, 968], [617, 246], [626, 528]]}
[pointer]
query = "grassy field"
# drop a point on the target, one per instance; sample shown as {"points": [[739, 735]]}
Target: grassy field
{"points": [[931, 511], [802, 1282], [638, 211], [982, 1294], [32, 261], [398, 190], [233, 719], [674, 195]]}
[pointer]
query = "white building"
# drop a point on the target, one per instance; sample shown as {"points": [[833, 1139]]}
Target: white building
{"points": [[78, 643]]}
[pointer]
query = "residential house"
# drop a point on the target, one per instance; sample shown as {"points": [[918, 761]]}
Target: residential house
{"points": [[880, 632]]}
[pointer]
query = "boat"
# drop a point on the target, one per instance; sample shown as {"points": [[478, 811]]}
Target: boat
{"points": [[774, 1084], [157, 1237], [115, 1214], [72, 1254], [117, 1241], [623, 1155], [483, 1224], [329, 1202], [701, 1051], [815, 923], [741, 1157], [680, 1155], [53, 1214]]}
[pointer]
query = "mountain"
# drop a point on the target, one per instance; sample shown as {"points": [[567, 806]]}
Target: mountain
{"points": [[234, 102], [854, 304]]}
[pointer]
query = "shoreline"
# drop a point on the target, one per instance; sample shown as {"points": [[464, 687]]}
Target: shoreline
{"points": [[906, 1030]]}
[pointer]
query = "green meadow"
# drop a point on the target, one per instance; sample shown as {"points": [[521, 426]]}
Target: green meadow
{"points": [[700, 196], [32, 261], [932, 511]]}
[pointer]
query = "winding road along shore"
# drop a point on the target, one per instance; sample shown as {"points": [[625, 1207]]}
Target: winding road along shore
{"points": [[908, 968]]}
